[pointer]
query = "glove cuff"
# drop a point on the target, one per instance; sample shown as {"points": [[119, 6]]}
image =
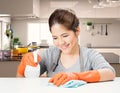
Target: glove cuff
{"points": [[89, 76]]}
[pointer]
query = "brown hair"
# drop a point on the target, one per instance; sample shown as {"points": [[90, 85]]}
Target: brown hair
{"points": [[65, 17]]}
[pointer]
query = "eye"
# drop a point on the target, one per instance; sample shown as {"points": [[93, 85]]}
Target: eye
{"points": [[65, 35], [54, 38]]}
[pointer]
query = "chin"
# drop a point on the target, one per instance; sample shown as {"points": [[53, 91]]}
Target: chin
{"points": [[67, 51]]}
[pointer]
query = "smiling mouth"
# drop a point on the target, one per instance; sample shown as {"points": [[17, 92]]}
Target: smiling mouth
{"points": [[63, 47]]}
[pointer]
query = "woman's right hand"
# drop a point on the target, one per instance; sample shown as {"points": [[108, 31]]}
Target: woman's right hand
{"points": [[32, 59]]}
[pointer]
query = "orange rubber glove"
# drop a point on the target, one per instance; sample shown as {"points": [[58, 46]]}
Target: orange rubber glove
{"points": [[27, 59], [63, 77]]}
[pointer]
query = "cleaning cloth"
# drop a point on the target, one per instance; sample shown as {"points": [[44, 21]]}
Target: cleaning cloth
{"points": [[70, 84]]}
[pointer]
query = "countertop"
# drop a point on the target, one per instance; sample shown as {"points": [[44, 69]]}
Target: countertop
{"points": [[39, 85], [109, 50], [106, 47], [112, 54]]}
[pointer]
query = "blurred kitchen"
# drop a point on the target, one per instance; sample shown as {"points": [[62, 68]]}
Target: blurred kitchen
{"points": [[24, 28]]}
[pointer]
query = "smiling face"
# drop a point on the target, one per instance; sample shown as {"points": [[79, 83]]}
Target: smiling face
{"points": [[64, 26], [66, 40]]}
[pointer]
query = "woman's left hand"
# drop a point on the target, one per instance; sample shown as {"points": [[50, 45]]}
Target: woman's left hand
{"points": [[62, 78]]}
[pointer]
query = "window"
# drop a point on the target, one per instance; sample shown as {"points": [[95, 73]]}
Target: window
{"points": [[45, 33], [38, 32], [33, 32]]}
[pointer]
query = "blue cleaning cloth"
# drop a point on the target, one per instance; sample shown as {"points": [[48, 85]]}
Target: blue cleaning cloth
{"points": [[70, 84]]}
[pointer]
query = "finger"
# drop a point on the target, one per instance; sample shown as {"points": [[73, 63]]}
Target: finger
{"points": [[53, 78], [57, 78], [59, 82], [64, 81]]}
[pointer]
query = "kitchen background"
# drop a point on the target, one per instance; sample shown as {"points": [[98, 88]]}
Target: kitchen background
{"points": [[109, 16], [98, 39], [28, 20]]}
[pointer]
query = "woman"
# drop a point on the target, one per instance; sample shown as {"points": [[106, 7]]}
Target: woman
{"points": [[67, 60]]}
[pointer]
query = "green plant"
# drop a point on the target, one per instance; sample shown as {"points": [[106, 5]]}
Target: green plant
{"points": [[89, 23], [15, 40]]}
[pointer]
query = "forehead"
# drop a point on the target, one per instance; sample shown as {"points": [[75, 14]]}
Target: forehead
{"points": [[58, 26], [59, 29]]}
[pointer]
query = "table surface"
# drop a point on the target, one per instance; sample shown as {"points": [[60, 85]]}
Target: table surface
{"points": [[38, 85]]}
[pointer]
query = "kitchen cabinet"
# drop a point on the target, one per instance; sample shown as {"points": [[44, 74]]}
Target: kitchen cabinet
{"points": [[112, 55], [98, 13], [8, 68], [90, 12], [110, 12], [20, 8], [83, 9], [87, 12], [117, 68], [84, 12]]}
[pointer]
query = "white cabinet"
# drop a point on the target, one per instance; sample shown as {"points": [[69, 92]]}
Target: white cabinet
{"points": [[84, 10], [90, 12], [110, 12], [20, 7]]}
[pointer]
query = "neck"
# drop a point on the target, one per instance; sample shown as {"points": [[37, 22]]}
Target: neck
{"points": [[68, 60], [74, 52]]}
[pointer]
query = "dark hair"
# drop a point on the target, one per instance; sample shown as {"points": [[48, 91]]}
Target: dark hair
{"points": [[65, 17]]}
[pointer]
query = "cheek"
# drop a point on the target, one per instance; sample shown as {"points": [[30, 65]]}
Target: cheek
{"points": [[71, 39], [55, 42]]}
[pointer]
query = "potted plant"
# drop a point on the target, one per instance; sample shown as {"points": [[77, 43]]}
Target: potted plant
{"points": [[15, 42], [89, 25]]}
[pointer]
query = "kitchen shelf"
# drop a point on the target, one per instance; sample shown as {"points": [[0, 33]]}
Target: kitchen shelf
{"points": [[97, 23]]}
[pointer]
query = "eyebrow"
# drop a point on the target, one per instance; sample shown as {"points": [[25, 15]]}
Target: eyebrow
{"points": [[60, 35]]}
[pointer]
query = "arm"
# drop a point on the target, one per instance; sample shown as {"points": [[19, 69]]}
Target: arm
{"points": [[106, 74], [99, 63], [88, 76], [102, 71]]}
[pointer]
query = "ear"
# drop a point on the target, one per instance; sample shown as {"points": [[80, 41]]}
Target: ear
{"points": [[78, 31]]}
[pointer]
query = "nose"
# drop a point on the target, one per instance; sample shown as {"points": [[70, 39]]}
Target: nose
{"points": [[61, 41]]}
